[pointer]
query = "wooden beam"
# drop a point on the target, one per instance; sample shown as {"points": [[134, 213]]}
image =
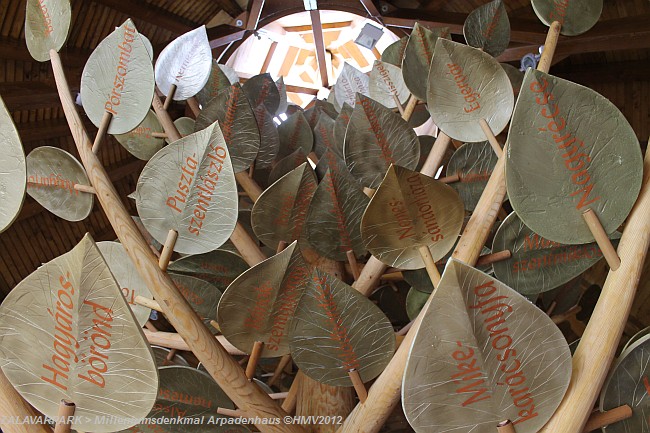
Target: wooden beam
{"points": [[16, 49], [631, 33], [606, 72], [43, 130], [254, 14], [224, 34], [372, 10], [300, 89], [143, 11], [326, 26], [319, 42], [269, 57], [29, 95], [230, 7]]}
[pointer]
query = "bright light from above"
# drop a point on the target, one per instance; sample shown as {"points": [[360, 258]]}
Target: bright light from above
{"points": [[283, 116], [310, 5]]}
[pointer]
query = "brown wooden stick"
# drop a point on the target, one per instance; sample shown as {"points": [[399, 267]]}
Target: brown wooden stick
{"points": [[279, 395], [546, 58], [148, 303], [313, 157], [405, 329], [601, 419], [172, 340], [598, 344], [506, 427], [359, 386], [410, 106], [170, 97], [354, 266], [289, 404], [450, 179], [13, 405], [438, 151], [168, 250], [64, 417], [281, 246], [159, 135], [603, 241], [101, 132], [150, 326], [561, 318], [489, 134], [231, 412], [84, 188], [246, 246], [256, 354], [488, 259], [430, 265], [368, 191], [399, 105], [249, 185], [223, 368], [194, 106], [277, 373]]}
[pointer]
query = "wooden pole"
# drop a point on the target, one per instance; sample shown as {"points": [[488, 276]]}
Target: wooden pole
{"points": [[506, 427], [277, 373], [354, 266], [256, 354], [170, 97], [450, 179], [598, 344], [434, 159], [359, 386], [66, 412], [410, 107], [603, 241], [223, 368], [194, 106], [168, 250], [148, 303], [430, 265], [599, 419], [489, 134], [488, 259], [84, 188], [13, 405], [101, 132]]}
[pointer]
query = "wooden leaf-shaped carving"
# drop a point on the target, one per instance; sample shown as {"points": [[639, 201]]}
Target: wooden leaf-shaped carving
{"points": [[238, 124], [287, 164], [188, 393], [282, 91], [259, 305], [473, 163], [488, 27], [13, 170], [221, 77], [410, 210], [202, 296], [52, 174], [336, 329], [331, 161], [571, 147], [483, 354], [46, 26], [269, 138], [186, 63], [466, 85], [394, 53], [341, 126], [313, 114], [261, 90], [127, 277], [537, 264], [140, 142], [418, 55], [576, 17], [66, 332], [218, 267], [280, 212], [189, 186], [295, 133], [376, 138], [350, 82], [386, 85], [118, 79], [334, 218], [628, 384], [324, 137]]}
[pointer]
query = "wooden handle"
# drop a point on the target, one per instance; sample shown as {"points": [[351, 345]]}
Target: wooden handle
{"points": [[223, 368], [370, 276], [435, 157], [256, 354], [66, 411], [488, 259], [236, 413], [450, 179], [13, 405], [506, 427], [552, 37], [159, 135], [170, 96], [410, 106], [85, 188], [148, 303], [430, 265], [354, 266], [101, 132], [399, 105], [359, 386], [165, 119], [172, 340], [279, 395], [194, 106], [284, 361], [601, 419], [489, 134], [603, 241], [168, 250], [598, 344], [249, 185]]}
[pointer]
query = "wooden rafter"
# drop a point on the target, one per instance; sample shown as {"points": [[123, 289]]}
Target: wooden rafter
{"points": [[319, 42], [29, 95], [369, 6], [14, 49], [224, 34], [254, 14], [269, 57], [141, 10]]}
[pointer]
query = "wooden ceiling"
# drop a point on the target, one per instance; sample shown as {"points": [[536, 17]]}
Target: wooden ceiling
{"points": [[612, 58]]}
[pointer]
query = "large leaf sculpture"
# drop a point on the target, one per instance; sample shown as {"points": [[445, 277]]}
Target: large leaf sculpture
{"points": [[341, 126], [376, 138], [219, 267], [537, 264], [418, 55], [279, 214], [576, 17], [238, 124], [337, 329], [394, 53], [287, 164], [269, 138], [140, 141], [261, 89], [221, 77], [473, 163], [185, 63], [313, 114], [295, 133], [189, 186], [628, 383], [483, 354], [334, 218], [350, 82], [185, 126], [324, 137], [488, 28], [13, 170], [387, 85], [127, 277], [571, 147], [260, 304], [118, 79], [189, 394], [515, 76], [66, 332], [52, 174], [46, 26], [408, 211], [202, 296], [465, 86], [284, 101]]}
